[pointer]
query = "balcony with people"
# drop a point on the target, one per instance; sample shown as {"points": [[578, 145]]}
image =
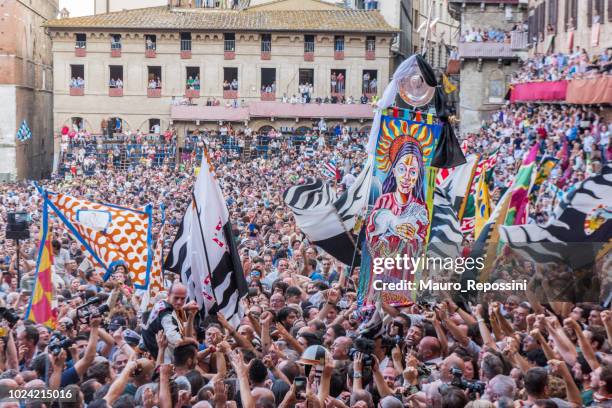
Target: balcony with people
{"points": [[337, 83], [154, 85], [192, 85], [115, 84], [77, 80], [80, 45], [492, 42], [150, 46], [230, 83], [370, 48], [370, 83], [115, 45]]}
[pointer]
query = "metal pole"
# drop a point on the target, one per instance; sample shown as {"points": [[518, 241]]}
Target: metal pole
{"points": [[426, 42], [17, 266]]}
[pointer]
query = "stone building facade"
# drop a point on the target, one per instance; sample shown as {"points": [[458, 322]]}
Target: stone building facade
{"points": [[26, 80], [557, 25], [257, 47], [486, 67]]}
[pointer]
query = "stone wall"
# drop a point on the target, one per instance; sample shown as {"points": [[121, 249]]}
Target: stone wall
{"points": [[476, 101], [26, 78]]}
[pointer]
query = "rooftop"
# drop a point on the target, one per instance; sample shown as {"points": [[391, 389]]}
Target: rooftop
{"points": [[271, 109], [165, 18]]}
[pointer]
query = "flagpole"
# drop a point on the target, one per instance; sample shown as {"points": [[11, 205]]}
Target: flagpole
{"points": [[204, 243]]}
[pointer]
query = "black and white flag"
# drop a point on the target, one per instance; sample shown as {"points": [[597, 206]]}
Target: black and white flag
{"points": [[579, 227], [328, 220], [445, 237], [204, 253]]}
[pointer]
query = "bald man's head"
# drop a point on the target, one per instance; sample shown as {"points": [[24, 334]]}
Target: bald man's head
{"points": [[178, 294], [448, 364], [264, 398], [429, 348]]}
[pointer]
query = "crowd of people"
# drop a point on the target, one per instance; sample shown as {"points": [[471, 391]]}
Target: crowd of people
{"points": [[193, 83], [491, 34], [230, 85], [443, 353], [77, 82], [116, 83], [562, 66]]}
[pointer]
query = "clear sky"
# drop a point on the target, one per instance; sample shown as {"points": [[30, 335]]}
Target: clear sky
{"points": [[78, 7]]}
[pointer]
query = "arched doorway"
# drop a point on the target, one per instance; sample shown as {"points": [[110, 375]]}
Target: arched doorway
{"points": [[264, 130], [302, 130], [117, 125]]}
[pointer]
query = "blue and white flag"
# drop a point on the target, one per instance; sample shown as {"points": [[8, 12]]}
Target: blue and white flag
{"points": [[24, 133]]}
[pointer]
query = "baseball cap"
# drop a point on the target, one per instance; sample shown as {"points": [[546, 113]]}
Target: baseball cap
{"points": [[131, 337], [117, 322]]}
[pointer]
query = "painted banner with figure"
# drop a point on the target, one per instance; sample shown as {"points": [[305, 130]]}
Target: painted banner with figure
{"points": [[399, 214]]}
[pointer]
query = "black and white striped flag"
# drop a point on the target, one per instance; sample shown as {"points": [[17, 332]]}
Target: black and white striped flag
{"points": [[580, 226], [328, 220], [204, 253], [445, 237]]}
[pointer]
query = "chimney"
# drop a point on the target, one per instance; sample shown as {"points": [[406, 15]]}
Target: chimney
{"points": [[64, 13]]}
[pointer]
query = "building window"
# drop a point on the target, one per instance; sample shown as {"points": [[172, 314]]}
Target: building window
{"points": [[115, 41], [306, 80], [150, 42], [115, 79], [81, 41], [338, 81], [266, 43], [268, 80], [229, 42], [370, 82], [154, 126], [154, 78], [77, 76], [230, 79], [309, 43], [185, 41], [339, 43], [193, 78], [496, 87], [370, 43]]}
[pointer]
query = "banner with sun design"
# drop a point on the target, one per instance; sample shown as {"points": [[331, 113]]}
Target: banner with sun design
{"points": [[400, 207]]}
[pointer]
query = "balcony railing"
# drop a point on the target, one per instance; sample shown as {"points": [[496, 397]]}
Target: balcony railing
{"points": [[338, 55], [229, 45], [115, 92], [231, 94], [185, 45], [309, 46], [268, 96], [77, 91], [519, 40], [80, 49], [192, 93], [115, 50], [154, 92]]}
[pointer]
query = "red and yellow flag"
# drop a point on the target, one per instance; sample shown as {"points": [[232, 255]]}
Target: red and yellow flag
{"points": [[41, 308]]}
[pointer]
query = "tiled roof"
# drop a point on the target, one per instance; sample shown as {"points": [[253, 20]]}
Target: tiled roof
{"points": [[164, 18], [272, 109]]}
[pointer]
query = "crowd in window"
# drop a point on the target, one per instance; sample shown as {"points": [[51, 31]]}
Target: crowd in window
{"points": [[370, 84], [230, 86], [193, 83], [77, 82], [116, 83], [337, 82], [485, 35], [561, 66], [155, 83], [270, 88]]}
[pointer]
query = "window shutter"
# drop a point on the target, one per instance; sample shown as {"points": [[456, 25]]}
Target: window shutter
{"points": [[566, 15], [589, 13], [609, 11]]}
